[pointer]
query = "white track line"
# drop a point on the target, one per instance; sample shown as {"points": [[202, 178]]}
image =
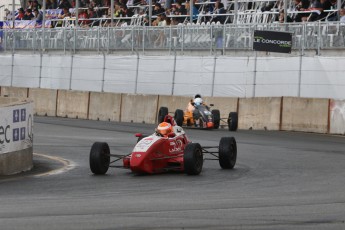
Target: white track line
{"points": [[67, 165]]}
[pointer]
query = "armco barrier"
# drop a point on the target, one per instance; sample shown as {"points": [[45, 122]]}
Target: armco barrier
{"points": [[16, 135], [105, 106], [44, 101], [139, 108], [337, 117], [73, 104], [305, 114], [259, 113]]}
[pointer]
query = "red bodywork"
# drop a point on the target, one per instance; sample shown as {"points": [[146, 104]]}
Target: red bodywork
{"points": [[155, 154]]}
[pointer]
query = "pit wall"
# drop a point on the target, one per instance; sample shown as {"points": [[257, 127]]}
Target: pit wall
{"points": [[269, 113], [16, 136]]}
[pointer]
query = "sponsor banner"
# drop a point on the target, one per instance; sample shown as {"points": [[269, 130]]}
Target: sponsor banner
{"points": [[26, 24], [272, 41], [16, 127]]}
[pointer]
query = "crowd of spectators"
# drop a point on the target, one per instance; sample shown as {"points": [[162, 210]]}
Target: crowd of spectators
{"points": [[98, 12]]}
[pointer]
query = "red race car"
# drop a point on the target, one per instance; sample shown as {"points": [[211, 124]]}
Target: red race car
{"points": [[168, 149]]}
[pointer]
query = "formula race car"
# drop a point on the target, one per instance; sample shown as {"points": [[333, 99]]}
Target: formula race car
{"points": [[163, 152], [202, 117]]}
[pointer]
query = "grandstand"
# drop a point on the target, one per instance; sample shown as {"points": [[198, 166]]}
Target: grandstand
{"points": [[134, 26]]}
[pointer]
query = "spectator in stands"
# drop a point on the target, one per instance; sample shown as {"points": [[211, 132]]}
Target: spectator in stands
{"points": [[157, 9], [83, 16], [325, 5], [316, 8], [8, 15], [342, 15], [28, 15], [38, 15], [36, 5], [301, 5], [180, 10], [64, 4], [29, 4], [51, 4], [282, 15], [65, 14], [194, 11], [219, 9], [20, 14]]}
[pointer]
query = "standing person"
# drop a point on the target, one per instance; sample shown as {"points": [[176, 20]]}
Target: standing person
{"points": [[219, 9], [180, 10], [342, 15], [28, 15], [38, 15], [195, 11]]}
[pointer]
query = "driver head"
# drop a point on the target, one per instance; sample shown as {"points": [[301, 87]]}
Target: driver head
{"points": [[164, 128]]}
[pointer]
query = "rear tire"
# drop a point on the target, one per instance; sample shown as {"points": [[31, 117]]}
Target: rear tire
{"points": [[233, 121], [227, 152], [216, 118], [193, 159], [179, 117], [99, 158], [163, 111]]}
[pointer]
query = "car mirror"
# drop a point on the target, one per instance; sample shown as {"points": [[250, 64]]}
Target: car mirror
{"points": [[211, 104], [138, 134]]}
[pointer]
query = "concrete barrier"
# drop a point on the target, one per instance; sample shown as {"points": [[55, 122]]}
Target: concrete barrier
{"points": [[14, 92], [173, 103], [44, 101], [105, 106], [72, 104], [337, 117], [139, 108], [259, 113], [16, 137], [224, 104], [305, 114]]}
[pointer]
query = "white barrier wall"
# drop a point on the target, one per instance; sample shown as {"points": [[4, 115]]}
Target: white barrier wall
{"points": [[315, 77]]}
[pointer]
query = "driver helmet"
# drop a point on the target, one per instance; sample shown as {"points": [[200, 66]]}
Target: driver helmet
{"points": [[164, 128], [198, 101], [197, 96]]}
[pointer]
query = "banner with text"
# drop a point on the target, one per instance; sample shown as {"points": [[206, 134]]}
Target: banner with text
{"points": [[272, 41], [16, 124]]}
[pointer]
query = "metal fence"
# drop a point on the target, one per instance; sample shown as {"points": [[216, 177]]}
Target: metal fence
{"points": [[203, 37]]}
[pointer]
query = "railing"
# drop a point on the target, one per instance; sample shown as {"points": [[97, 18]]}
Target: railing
{"points": [[203, 37]]}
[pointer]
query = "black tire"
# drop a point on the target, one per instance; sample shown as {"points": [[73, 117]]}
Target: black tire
{"points": [[216, 118], [163, 111], [99, 158], [227, 152], [233, 121], [193, 159], [179, 117]]}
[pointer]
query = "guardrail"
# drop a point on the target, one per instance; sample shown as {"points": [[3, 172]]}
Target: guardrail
{"points": [[205, 37]]}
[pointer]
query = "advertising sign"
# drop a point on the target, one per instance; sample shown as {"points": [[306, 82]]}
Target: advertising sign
{"points": [[16, 127], [272, 41]]}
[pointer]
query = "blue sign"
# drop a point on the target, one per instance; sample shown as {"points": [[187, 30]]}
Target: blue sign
{"points": [[16, 115], [22, 114], [16, 134]]}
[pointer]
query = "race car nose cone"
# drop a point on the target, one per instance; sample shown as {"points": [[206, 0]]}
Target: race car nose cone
{"points": [[209, 124]]}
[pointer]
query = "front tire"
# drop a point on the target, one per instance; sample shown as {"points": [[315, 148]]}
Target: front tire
{"points": [[216, 118], [233, 121], [163, 111], [193, 159], [179, 117], [99, 158], [227, 152]]}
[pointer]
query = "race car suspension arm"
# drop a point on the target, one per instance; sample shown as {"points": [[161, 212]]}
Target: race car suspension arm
{"points": [[207, 149]]}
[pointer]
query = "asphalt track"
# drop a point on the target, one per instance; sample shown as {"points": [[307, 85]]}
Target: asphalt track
{"points": [[282, 180]]}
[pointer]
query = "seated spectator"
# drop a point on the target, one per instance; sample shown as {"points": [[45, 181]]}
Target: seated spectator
{"points": [[38, 15], [282, 15], [301, 5], [20, 14], [219, 9], [157, 9], [64, 4], [325, 5], [342, 15], [316, 8], [83, 16], [28, 15], [180, 10], [194, 10]]}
